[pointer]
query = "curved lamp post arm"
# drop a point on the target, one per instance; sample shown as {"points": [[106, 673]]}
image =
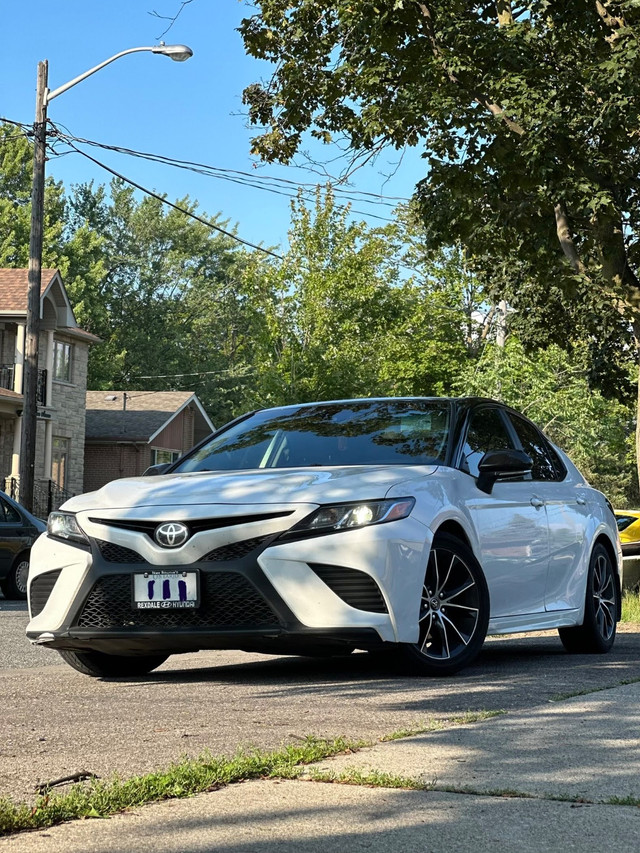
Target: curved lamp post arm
{"points": [[177, 52]]}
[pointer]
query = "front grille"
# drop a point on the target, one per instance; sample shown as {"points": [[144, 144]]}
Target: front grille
{"points": [[227, 600], [355, 588], [234, 550], [194, 525], [40, 590], [113, 553]]}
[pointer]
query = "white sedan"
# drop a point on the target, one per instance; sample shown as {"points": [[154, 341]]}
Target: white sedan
{"points": [[405, 525]]}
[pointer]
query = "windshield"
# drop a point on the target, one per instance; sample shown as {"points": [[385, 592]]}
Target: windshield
{"points": [[366, 432]]}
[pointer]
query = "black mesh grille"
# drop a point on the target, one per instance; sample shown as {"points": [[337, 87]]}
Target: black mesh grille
{"points": [[355, 588], [41, 588], [117, 553], [227, 600], [234, 550]]}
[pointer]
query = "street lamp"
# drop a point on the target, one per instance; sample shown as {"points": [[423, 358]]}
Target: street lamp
{"points": [[177, 52]]}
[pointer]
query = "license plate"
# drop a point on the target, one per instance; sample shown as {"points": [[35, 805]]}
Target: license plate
{"points": [[165, 590]]}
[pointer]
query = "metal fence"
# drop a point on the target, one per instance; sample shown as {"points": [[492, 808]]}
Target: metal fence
{"points": [[47, 495]]}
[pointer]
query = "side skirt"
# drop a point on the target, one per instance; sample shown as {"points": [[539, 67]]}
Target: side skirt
{"points": [[534, 622]]}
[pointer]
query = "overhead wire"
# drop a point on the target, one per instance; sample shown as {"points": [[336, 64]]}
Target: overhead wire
{"points": [[236, 174], [166, 201], [276, 185]]}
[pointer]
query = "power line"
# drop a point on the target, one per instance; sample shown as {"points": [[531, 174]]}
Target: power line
{"points": [[175, 206], [278, 186], [239, 175]]}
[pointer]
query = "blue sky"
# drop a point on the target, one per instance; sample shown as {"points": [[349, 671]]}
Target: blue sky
{"points": [[189, 111]]}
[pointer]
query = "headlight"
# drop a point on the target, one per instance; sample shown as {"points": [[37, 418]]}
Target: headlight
{"points": [[348, 516], [63, 525]]}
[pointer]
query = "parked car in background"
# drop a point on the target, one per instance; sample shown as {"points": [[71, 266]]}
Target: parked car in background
{"points": [[18, 531], [404, 525], [628, 521]]}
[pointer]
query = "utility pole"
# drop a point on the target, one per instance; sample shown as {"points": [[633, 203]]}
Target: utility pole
{"points": [[32, 333], [177, 52]]}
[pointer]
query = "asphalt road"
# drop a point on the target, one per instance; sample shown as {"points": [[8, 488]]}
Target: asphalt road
{"points": [[56, 722]]}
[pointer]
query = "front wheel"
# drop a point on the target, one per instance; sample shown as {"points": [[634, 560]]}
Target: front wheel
{"points": [[597, 633], [454, 611], [100, 665]]}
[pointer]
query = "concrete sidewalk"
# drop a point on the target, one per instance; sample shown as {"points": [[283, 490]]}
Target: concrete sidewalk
{"points": [[540, 780]]}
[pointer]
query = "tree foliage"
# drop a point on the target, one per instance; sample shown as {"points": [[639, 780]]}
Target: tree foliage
{"points": [[527, 117], [527, 114], [552, 389], [168, 304], [346, 316]]}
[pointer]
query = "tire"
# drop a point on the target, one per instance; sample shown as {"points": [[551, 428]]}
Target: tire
{"points": [[597, 633], [15, 583], [454, 611], [100, 665]]}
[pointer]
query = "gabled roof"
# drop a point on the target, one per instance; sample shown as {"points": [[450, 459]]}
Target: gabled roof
{"points": [[142, 418], [14, 285], [55, 307]]}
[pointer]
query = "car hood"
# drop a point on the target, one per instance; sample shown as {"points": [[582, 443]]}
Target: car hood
{"points": [[290, 485]]}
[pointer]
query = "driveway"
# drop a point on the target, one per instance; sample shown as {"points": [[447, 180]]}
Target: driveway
{"points": [[57, 722]]}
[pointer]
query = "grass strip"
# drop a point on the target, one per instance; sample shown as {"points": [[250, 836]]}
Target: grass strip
{"points": [[369, 779], [631, 606], [437, 725], [99, 798], [561, 697]]}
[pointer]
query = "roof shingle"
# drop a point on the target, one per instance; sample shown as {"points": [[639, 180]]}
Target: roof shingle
{"points": [[145, 413]]}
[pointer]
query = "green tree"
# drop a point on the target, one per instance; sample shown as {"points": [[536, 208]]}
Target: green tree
{"points": [[528, 118], [168, 304], [356, 311], [16, 164], [552, 389]]}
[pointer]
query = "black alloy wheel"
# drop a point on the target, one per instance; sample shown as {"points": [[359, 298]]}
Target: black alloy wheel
{"points": [[454, 610], [597, 633]]}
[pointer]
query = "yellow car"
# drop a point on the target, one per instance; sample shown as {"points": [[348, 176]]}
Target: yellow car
{"points": [[629, 528]]}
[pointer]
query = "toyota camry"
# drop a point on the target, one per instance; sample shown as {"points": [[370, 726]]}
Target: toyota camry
{"points": [[413, 526]]}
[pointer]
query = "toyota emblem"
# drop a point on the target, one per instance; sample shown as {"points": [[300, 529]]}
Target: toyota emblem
{"points": [[171, 534]]}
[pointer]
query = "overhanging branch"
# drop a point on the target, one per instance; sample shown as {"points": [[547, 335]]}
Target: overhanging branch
{"points": [[477, 97]]}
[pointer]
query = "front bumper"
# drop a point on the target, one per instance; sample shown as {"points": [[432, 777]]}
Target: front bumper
{"points": [[355, 588]]}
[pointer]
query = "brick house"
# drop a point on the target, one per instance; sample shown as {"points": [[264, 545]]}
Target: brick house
{"points": [[62, 383], [127, 431]]}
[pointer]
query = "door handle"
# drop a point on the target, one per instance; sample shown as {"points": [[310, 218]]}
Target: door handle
{"points": [[581, 501], [537, 502]]}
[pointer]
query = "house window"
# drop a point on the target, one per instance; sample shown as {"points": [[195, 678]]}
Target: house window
{"points": [[159, 457], [62, 361], [59, 461]]}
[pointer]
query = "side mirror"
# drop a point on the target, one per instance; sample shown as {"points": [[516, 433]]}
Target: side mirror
{"points": [[154, 470], [501, 465]]}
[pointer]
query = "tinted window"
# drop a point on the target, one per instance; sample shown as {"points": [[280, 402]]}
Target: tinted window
{"points": [[378, 432], [536, 447], [8, 514], [486, 432], [624, 521]]}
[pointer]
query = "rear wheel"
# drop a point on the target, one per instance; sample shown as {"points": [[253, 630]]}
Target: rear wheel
{"points": [[98, 664], [597, 633], [15, 584], [454, 610]]}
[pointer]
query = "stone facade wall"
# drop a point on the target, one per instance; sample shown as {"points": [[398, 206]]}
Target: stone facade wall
{"points": [[68, 415]]}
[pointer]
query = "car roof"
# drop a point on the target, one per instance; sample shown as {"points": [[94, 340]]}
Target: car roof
{"points": [[462, 402]]}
